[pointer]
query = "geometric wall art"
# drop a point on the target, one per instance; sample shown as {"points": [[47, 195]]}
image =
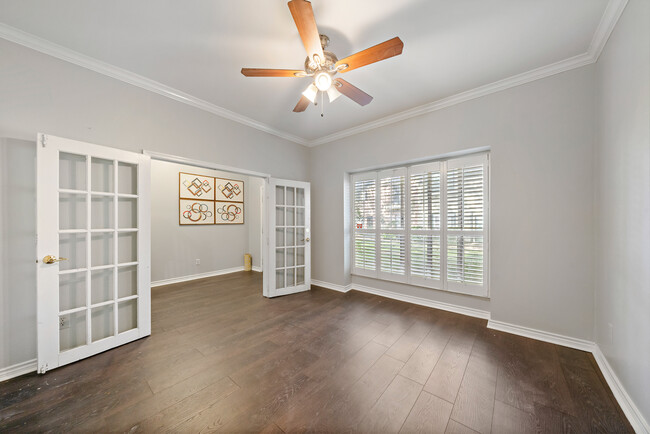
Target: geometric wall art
{"points": [[229, 213], [206, 200], [196, 212], [196, 186], [229, 190]]}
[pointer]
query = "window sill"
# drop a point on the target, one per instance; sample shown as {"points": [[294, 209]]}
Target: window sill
{"points": [[483, 293]]}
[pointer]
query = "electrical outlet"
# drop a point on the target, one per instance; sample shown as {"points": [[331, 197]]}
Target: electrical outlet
{"points": [[64, 322], [198, 262]]}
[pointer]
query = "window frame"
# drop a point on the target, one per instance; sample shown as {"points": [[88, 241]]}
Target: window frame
{"points": [[413, 169]]}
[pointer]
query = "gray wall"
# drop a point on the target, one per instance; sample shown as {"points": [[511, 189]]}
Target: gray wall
{"points": [[175, 248], [623, 203], [17, 252], [541, 138], [39, 93]]}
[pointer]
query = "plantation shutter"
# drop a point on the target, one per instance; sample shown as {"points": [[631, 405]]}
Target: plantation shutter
{"points": [[425, 225], [364, 192], [425, 187], [466, 211], [392, 224]]}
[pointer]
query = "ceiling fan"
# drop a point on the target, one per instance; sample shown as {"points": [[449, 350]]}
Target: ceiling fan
{"points": [[324, 65]]}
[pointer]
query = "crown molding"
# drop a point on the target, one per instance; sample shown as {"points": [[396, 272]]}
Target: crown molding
{"points": [[507, 83], [611, 15], [613, 12], [44, 46]]}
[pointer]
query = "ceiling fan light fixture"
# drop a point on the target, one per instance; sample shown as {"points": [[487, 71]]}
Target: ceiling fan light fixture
{"points": [[332, 93], [323, 81], [311, 92]]}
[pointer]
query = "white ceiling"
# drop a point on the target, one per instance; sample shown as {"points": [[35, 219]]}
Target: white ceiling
{"points": [[199, 47]]}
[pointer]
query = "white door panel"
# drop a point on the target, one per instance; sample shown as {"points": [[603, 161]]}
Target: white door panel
{"points": [[289, 252], [93, 220]]}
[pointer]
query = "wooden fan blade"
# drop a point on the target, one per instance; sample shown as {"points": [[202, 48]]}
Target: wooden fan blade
{"points": [[303, 16], [259, 72], [390, 48], [352, 92], [302, 104]]}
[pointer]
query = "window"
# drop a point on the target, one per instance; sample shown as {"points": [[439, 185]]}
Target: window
{"points": [[425, 224]]}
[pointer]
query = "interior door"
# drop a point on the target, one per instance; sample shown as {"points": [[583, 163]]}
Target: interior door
{"points": [[93, 249], [289, 266]]}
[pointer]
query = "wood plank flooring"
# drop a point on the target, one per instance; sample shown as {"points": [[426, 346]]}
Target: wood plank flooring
{"points": [[223, 358]]}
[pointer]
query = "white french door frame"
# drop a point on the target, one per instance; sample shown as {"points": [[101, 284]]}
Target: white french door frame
{"points": [[269, 277], [49, 231]]}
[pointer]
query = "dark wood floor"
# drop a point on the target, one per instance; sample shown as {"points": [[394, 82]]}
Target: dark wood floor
{"points": [[223, 358]]}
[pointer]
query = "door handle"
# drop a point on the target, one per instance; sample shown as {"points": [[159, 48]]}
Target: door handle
{"points": [[307, 239], [51, 259]]}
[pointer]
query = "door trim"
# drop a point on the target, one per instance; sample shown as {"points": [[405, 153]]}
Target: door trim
{"points": [[159, 156], [202, 163]]}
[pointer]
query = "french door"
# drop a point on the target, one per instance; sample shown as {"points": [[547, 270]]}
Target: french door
{"points": [[288, 269], [93, 249]]}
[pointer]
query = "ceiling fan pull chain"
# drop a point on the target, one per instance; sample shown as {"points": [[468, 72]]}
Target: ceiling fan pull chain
{"points": [[322, 105]]}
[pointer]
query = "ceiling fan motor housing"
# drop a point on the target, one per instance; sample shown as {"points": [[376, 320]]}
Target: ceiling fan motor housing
{"points": [[326, 65]]}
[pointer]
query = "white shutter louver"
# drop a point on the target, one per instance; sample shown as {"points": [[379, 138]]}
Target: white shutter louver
{"points": [[465, 259], [392, 229], [364, 203], [392, 201], [364, 191], [393, 254], [425, 256], [425, 200], [465, 198], [466, 215], [425, 224], [364, 251]]}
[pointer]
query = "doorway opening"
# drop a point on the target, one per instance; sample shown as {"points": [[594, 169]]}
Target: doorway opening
{"points": [[205, 218]]}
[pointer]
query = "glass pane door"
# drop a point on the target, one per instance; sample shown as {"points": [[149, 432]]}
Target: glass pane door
{"points": [[290, 235], [91, 289], [98, 225]]}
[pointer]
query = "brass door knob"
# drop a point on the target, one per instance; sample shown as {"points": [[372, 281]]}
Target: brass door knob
{"points": [[51, 259]]}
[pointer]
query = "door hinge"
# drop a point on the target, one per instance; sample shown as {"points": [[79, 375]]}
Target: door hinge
{"points": [[43, 139]]}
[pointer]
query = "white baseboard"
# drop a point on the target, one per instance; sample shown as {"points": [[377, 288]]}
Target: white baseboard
{"points": [[476, 313], [565, 341], [631, 411], [195, 276], [332, 286], [257, 269], [17, 370]]}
